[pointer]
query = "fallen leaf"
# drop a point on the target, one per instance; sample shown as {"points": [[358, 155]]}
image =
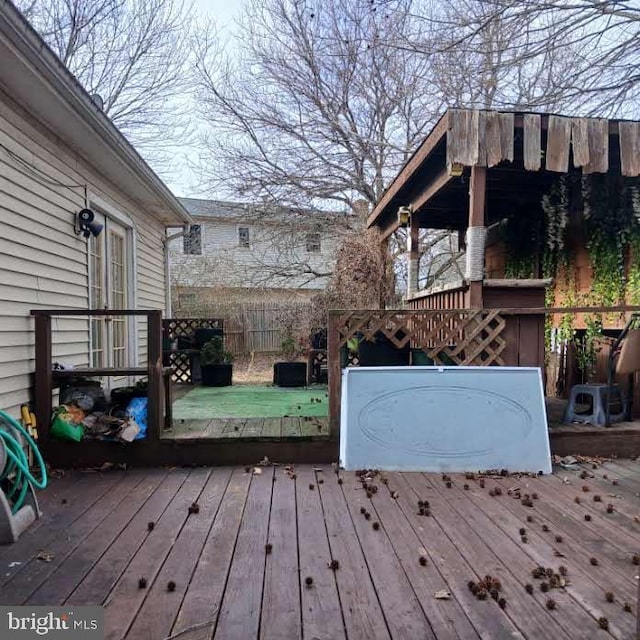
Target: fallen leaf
{"points": [[442, 595], [558, 554], [45, 556]]}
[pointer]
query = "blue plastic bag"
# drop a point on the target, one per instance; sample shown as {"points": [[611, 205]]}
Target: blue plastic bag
{"points": [[137, 410]]}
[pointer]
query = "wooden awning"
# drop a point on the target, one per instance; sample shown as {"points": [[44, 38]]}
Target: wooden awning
{"points": [[524, 152]]}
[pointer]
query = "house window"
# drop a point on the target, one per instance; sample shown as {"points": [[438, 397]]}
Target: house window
{"points": [[243, 237], [192, 240], [313, 242]]}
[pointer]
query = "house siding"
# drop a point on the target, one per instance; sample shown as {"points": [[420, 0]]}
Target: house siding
{"points": [[43, 264]]}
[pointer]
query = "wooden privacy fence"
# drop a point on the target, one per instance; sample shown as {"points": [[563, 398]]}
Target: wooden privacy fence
{"points": [[252, 328]]}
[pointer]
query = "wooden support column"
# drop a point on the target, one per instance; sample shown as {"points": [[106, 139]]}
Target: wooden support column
{"points": [[43, 382], [155, 404], [335, 375], [476, 235], [413, 250]]}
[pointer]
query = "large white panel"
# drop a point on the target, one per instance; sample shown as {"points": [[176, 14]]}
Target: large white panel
{"points": [[444, 419]]}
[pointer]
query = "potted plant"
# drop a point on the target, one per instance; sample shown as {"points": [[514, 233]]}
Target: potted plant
{"points": [[291, 372], [215, 363]]}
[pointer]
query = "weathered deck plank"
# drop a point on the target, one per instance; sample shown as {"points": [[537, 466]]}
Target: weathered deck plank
{"points": [[239, 616], [321, 612], [36, 571], [280, 619], [157, 615], [272, 428], [365, 619], [102, 578], [73, 569], [124, 601], [201, 603]]}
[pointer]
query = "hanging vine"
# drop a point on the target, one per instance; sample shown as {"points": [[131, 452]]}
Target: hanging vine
{"points": [[611, 225], [633, 275], [608, 223]]}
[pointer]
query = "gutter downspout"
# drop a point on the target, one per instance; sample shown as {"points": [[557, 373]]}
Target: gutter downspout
{"points": [[167, 266]]}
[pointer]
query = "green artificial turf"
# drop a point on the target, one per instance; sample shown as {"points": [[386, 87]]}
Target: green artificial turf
{"points": [[248, 401]]}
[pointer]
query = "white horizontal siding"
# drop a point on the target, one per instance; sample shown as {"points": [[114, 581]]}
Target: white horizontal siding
{"points": [[43, 264], [225, 264]]}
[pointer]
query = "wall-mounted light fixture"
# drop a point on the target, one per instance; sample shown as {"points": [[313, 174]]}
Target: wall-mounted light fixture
{"points": [[456, 169], [85, 224], [404, 213]]}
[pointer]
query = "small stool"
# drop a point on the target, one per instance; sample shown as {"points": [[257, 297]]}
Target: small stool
{"points": [[598, 395]]}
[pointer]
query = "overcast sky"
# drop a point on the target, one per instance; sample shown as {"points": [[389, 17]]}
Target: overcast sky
{"points": [[183, 182]]}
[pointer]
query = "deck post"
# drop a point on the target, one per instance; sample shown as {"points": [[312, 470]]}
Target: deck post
{"points": [[43, 382], [476, 235], [156, 384], [334, 375], [413, 249]]}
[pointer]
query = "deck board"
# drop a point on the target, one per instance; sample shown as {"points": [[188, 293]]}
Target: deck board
{"points": [[104, 575], [241, 604], [126, 599], [201, 602], [280, 617], [321, 612], [227, 586]]}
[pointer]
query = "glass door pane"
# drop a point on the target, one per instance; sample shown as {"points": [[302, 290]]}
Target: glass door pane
{"points": [[97, 325], [118, 294]]}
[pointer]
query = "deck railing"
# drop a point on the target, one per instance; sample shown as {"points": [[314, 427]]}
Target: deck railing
{"points": [[496, 337]]}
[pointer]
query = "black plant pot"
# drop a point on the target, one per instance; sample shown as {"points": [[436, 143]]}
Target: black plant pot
{"points": [[382, 352], [217, 375], [290, 374]]}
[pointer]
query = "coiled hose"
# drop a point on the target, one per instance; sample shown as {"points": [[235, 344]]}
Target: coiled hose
{"points": [[18, 463]]}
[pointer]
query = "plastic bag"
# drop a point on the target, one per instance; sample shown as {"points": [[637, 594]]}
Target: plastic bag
{"points": [[137, 411]]}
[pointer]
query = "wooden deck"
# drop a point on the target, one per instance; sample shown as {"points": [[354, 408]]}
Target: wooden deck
{"points": [[250, 429], [95, 529]]}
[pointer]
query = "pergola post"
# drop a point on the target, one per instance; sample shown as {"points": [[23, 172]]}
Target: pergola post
{"points": [[413, 252], [476, 236]]}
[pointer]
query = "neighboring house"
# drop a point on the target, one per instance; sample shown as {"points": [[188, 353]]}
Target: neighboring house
{"points": [[253, 253], [59, 153]]}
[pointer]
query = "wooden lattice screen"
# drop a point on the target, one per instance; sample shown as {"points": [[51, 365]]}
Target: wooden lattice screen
{"points": [[180, 360], [465, 337], [185, 327]]}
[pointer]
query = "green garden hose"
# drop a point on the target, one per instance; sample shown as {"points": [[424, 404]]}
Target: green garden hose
{"points": [[18, 463]]}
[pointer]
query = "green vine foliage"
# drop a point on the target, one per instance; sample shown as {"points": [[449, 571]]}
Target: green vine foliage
{"points": [[611, 226], [587, 347], [609, 223]]}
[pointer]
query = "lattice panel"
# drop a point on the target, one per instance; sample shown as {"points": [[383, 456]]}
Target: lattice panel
{"points": [[463, 337], [186, 327], [180, 363], [317, 362]]}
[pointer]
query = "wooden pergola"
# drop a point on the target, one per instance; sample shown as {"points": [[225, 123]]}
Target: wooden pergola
{"points": [[478, 167]]}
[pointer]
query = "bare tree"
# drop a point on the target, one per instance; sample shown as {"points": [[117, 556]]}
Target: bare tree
{"points": [[134, 54], [581, 56], [313, 107]]}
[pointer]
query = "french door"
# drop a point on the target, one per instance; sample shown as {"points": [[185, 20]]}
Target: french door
{"points": [[109, 274]]}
